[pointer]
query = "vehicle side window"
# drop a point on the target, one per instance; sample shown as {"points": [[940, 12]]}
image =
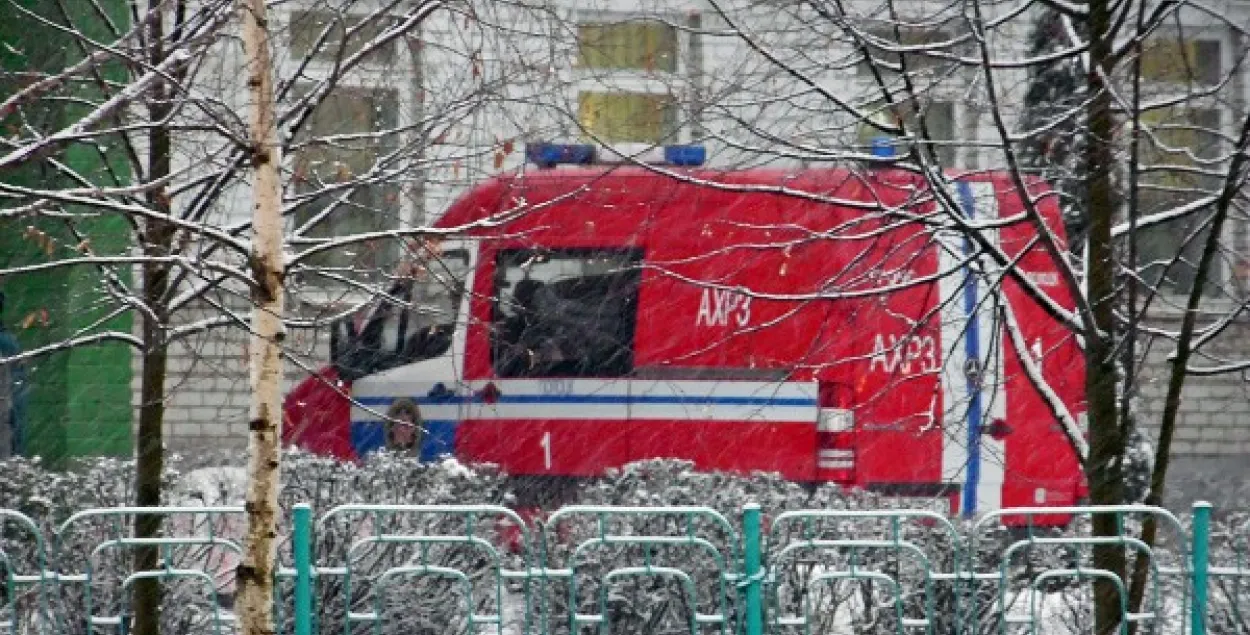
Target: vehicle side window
{"points": [[414, 322], [565, 313]]}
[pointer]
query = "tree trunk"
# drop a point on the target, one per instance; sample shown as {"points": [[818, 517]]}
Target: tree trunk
{"points": [[256, 572], [1104, 466], [150, 453], [157, 238]]}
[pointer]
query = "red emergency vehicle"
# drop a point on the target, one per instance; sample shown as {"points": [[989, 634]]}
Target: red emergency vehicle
{"points": [[817, 323]]}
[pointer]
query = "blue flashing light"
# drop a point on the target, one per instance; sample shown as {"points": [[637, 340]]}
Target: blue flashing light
{"points": [[548, 155], [883, 147], [551, 154], [689, 155]]}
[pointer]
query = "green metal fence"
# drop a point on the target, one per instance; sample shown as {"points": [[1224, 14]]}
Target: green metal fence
{"points": [[482, 569]]}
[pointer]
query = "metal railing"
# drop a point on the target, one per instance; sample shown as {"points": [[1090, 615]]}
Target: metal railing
{"points": [[354, 566]]}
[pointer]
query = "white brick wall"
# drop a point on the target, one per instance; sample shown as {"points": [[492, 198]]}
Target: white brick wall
{"points": [[207, 383], [1215, 411]]}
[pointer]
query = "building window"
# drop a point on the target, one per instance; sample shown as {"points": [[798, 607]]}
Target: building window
{"points": [[1169, 157], [628, 69], [645, 46], [628, 116], [1177, 60], [307, 27], [337, 149], [1180, 143], [566, 313], [1159, 245], [939, 119], [889, 60]]}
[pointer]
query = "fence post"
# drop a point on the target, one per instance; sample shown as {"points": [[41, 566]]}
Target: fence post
{"points": [[302, 549], [1199, 567], [751, 561]]}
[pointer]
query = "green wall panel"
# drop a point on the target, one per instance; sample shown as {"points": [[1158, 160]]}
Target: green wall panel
{"points": [[79, 402]]}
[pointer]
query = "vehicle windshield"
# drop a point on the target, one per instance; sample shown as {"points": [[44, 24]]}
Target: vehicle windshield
{"points": [[414, 321]]}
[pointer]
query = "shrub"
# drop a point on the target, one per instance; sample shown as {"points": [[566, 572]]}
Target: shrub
{"points": [[402, 566]]}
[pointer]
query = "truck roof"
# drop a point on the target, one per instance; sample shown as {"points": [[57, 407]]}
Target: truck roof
{"points": [[852, 187]]}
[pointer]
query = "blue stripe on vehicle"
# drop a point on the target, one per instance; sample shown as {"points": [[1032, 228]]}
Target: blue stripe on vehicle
{"points": [[367, 437], [440, 438], [972, 352]]}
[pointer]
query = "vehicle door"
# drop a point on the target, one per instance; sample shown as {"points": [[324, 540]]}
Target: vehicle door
{"points": [[561, 347], [404, 355]]}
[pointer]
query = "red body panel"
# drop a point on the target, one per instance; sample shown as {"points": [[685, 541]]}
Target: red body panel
{"points": [[316, 416], [518, 445], [1062, 364], [785, 449]]}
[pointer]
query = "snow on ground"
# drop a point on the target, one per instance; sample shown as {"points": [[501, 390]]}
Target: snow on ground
{"points": [[211, 486]]}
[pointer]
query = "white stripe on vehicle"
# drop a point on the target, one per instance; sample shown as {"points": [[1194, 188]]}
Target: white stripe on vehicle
{"points": [[836, 453], [835, 464], [953, 321], [612, 400]]}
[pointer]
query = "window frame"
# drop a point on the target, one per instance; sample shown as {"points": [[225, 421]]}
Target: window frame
{"points": [[1156, 190], [331, 49], [670, 120], [1170, 39], [631, 256], [377, 149], [948, 149], [1192, 93], [627, 21], [1173, 285], [368, 75], [673, 85], [673, 20], [930, 64]]}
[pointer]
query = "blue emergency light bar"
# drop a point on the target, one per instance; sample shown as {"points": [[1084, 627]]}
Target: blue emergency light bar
{"points": [[883, 147], [685, 155], [550, 154], [547, 155]]}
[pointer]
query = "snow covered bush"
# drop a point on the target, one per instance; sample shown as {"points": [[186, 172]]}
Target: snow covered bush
{"points": [[1230, 588], [807, 590], [412, 571], [50, 498], [398, 566]]}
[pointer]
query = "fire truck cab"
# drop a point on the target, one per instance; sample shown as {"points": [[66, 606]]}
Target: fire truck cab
{"points": [[824, 324]]}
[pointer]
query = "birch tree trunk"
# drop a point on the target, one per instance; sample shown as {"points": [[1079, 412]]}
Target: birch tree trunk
{"points": [[256, 573]]}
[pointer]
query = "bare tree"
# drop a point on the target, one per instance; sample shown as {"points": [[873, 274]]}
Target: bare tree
{"points": [[355, 132]]}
